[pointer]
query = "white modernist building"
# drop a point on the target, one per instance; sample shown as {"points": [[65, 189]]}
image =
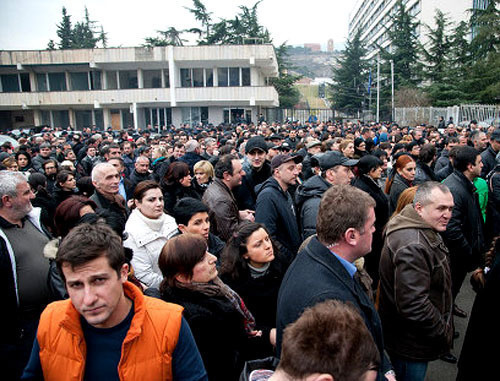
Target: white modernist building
{"points": [[139, 86], [373, 17]]}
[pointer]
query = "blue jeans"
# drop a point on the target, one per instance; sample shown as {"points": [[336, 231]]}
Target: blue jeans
{"points": [[409, 370]]}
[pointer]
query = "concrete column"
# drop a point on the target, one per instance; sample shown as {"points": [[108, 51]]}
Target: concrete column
{"points": [[37, 116], [68, 82], [104, 80], [172, 73], [106, 116], [72, 119], [140, 79], [33, 83]]}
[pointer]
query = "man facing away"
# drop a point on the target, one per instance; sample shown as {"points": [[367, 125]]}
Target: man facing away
{"points": [[415, 300], [324, 270], [107, 329]]}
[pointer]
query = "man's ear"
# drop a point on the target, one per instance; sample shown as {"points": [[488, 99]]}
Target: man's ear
{"points": [[6, 200], [350, 236], [124, 272]]}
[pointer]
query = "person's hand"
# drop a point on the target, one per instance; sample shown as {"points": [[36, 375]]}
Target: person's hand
{"points": [[255, 333], [390, 376], [130, 203], [272, 337], [247, 214]]}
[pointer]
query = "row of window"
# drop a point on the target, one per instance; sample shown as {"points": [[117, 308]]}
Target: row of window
{"points": [[123, 79]]}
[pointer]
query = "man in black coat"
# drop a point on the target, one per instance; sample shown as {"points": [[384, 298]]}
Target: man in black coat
{"points": [[489, 154], [325, 270], [275, 207], [464, 235]]}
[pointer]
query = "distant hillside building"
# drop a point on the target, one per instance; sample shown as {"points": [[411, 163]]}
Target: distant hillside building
{"points": [[330, 46], [127, 87], [373, 17], [313, 47]]}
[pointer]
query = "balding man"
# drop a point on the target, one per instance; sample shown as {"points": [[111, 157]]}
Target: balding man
{"points": [[106, 180], [141, 171]]}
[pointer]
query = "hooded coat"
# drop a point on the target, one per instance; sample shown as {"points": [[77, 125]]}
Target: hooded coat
{"points": [[308, 197]]}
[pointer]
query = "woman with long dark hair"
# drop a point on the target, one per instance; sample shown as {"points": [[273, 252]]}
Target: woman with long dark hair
{"points": [[253, 267], [177, 184], [403, 175]]}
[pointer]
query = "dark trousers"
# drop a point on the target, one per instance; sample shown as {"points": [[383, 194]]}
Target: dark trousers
{"points": [[459, 268]]}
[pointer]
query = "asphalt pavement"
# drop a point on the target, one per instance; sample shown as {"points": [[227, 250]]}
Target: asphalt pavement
{"points": [[442, 371]]}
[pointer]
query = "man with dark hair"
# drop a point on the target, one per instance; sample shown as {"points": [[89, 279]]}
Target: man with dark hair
{"points": [[108, 329], [257, 170], [224, 213], [275, 207], [426, 157], [44, 154], [443, 160], [192, 216], [85, 166], [23, 269], [324, 269], [488, 155], [332, 328], [464, 235], [49, 168], [415, 283], [128, 156], [336, 169]]}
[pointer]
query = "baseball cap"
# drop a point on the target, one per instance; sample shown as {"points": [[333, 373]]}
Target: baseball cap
{"points": [[331, 159], [256, 142], [284, 158]]}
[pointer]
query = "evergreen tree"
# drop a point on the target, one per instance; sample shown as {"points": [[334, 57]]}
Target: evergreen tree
{"points": [[171, 36], [437, 54], [202, 15], [51, 45], [349, 78], [284, 84], [406, 48], [65, 31]]}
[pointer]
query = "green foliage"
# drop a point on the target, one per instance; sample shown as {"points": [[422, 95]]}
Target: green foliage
{"points": [[348, 90], [284, 84], [84, 35], [171, 36], [51, 45]]}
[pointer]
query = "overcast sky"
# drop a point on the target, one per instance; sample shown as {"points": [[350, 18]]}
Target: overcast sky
{"points": [[30, 24]]}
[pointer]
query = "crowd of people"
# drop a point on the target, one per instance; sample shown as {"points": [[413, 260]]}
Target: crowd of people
{"points": [[281, 251]]}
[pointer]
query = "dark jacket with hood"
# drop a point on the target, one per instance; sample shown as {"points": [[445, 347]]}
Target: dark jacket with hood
{"points": [[276, 210], [415, 289], [245, 193], [488, 157], [398, 186], [308, 197], [443, 160], [424, 173]]}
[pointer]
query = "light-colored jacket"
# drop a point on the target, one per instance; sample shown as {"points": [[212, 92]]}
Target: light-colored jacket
{"points": [[147, 244]]}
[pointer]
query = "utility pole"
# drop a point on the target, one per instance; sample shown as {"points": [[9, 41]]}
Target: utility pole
{"points": [[378, 87], [392, 92]]}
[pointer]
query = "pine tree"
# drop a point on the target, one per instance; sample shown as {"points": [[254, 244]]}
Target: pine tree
{"points": [[406, 49], [65, 31], [284, 84], [202, 15], [348, 90], [51, 45], [437, 54]]}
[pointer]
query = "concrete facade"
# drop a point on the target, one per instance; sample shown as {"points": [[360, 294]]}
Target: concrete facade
{"points": [[125, 87], [373, 17]]}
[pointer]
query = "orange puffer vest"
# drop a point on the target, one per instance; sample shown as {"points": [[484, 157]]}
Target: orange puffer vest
{"points": [[146, 351]]}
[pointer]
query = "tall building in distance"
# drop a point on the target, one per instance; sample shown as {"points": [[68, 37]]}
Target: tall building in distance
{"points": [[373, 17], [330, 46]]}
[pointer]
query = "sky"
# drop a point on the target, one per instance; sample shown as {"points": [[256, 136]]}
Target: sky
{"points": [[30, 24]]}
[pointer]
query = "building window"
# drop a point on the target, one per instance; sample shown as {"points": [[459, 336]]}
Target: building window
{"points": [[128, 79], [245, 76], [41, 81], [10, 83], [60, 118], [198, 78], [83, 118], [25, 82], [95, 80], [194, 115], [209, 77], [223, 76], [57, 82], [234, 76], [111, 82], [158, 117], [79, 81], [166, 74], [151, 79]]}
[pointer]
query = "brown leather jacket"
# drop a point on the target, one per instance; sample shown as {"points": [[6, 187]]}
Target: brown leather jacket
{"points": [[415, 290], [224, 214]]}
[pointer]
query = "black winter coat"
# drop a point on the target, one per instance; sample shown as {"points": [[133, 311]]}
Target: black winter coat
{"points": [[173, 193], [217, 329], [488, 157], [464, 235], [276, 210], [424, 173], [372, 259], [398, 186]]}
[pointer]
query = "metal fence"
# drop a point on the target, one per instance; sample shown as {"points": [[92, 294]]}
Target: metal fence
{"points": [[302, 115], [463, 114]]}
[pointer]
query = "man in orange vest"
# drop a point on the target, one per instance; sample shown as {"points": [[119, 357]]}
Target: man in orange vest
{"points": [[108, 330]]}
